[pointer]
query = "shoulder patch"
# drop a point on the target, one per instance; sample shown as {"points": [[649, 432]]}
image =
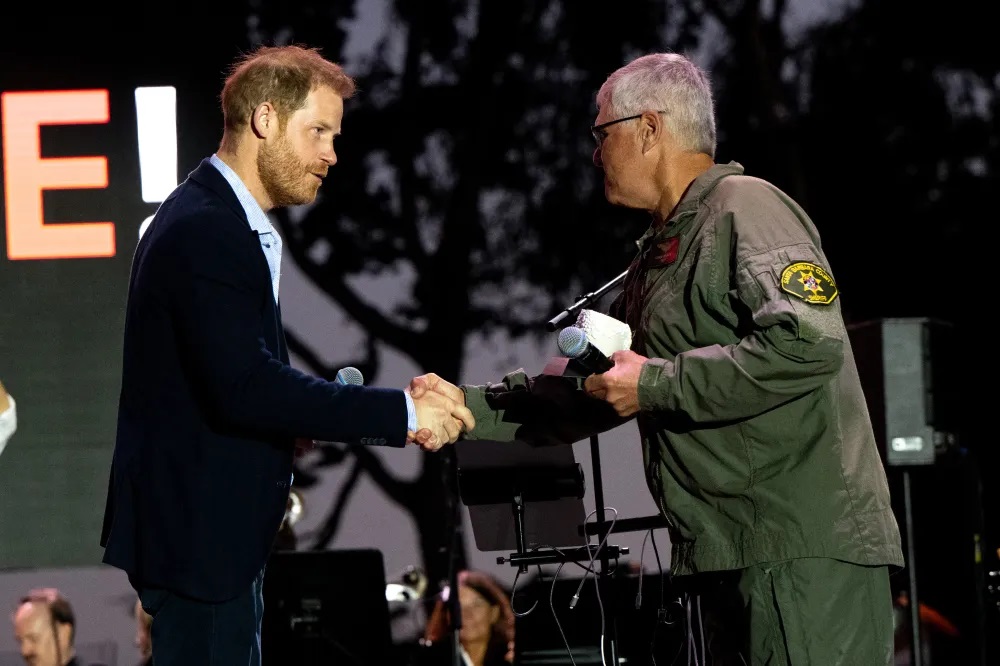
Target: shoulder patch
{"points": [[809, 282]]}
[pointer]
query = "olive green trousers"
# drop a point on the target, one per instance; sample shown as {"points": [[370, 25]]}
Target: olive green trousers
{"points": [[802, 612]]}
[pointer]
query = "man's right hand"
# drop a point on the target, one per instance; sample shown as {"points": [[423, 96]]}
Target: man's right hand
{"points": [[442, 417], [5, 400], [431, 382]]}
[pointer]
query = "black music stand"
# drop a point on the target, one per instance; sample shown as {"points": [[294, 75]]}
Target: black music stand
{"points": [[542, 488], [498, 480]]}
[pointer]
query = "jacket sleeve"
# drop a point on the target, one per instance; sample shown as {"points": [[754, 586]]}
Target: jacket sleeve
{"points": [[217, 304], [791, 345], [545, 409]]}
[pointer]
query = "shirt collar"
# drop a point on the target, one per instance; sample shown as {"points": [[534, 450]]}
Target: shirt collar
{"points": [[256, 216]]}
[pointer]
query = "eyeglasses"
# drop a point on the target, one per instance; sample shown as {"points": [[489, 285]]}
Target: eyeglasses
{"points": [[600, 132]]}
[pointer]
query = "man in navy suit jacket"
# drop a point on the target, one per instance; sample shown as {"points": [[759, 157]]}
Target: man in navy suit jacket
{"points": [[210, 409]]}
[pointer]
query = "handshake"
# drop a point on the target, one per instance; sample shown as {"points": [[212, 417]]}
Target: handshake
{"points": [[442, 416]]}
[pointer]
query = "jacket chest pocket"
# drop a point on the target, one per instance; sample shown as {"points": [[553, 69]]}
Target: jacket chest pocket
{"points": [[664, 321]]}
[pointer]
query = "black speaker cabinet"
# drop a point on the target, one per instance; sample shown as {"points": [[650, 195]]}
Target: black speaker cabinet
{"points": [[325, 607], [908, 373]]}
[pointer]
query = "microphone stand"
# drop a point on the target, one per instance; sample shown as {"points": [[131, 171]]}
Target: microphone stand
{"points": [[595, 460], [453, 604], [582, 302]]}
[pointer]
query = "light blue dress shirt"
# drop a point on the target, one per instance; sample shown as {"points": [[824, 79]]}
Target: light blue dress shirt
{"points": [[270, 243]]}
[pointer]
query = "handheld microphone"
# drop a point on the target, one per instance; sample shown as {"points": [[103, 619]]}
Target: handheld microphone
{"points": [[350, 375], [573, 343]]}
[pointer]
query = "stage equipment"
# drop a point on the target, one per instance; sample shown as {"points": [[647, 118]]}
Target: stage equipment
{"points": [[325, 607]]}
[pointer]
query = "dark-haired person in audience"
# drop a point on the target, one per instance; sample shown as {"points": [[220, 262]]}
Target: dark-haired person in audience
{"points": [[487, 634]]}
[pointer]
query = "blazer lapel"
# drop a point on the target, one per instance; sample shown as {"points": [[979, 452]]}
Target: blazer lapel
{"points": [[207, 175]]}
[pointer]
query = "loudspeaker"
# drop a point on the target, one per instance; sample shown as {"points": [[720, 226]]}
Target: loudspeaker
{"points": [[909, 375], [325, 607]]}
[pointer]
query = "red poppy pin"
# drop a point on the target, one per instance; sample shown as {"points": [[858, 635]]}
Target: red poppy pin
{"points": [[663, 253]]}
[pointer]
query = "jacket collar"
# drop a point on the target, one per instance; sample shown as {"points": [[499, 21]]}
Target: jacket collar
{"points": [[700, 188], [206, 174]]}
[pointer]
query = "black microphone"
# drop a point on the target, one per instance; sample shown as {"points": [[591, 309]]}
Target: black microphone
{"points": [[573, 343], [350, 375]]}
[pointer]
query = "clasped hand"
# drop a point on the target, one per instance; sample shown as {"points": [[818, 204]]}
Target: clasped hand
{"points": [[619, 386], [442, 416]]}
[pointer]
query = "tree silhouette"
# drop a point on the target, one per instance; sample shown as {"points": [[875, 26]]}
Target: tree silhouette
{"points": [[758, 67], [887, 143]]}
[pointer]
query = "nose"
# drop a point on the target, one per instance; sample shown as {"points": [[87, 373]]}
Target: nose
{"points": [[329, 155], [598, 162]]}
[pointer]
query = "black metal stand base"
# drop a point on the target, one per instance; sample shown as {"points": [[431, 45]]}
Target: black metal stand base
{"points": [[553, 556]]}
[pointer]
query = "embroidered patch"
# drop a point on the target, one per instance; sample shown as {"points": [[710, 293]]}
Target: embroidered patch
{"points": [[663, 253], [809, 282]]}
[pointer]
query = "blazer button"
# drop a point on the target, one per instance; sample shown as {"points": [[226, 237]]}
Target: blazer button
{"points": [[280, 484]]}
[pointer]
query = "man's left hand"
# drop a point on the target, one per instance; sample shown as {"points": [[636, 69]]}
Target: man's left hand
{"points": [[619, 386]]}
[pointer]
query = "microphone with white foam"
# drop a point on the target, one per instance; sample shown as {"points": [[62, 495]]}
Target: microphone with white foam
{"points": [[350, 375], [573, 343]]}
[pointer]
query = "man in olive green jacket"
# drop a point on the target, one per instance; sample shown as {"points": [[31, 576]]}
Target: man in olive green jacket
{"points": [[757, 443]]}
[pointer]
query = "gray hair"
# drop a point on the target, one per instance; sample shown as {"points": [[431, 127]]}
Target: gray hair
{"points": [[670, 83]]}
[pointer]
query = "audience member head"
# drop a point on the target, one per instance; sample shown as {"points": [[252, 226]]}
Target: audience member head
{"points": [[44, 627], [143, 631], [487, 633]]}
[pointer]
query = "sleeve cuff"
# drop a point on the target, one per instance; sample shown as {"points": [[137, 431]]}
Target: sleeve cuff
{"points": [[411, 413], [475, 400], [652, 393]]}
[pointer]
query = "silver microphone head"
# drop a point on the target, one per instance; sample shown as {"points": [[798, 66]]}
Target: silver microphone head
{"points": [[572, 341], [350, 375]]}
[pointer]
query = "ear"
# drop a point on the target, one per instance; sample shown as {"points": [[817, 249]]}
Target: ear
{"points": [[494, 615], [653, 130], [264, 120]]}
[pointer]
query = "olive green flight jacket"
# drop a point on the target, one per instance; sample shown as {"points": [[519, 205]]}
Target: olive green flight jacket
{"points": [[756, 438]]}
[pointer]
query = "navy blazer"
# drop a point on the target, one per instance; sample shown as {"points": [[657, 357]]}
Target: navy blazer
{"points": [[209, 406]]}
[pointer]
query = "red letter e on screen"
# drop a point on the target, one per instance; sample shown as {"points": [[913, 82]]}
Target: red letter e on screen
{"points": [[26, 174]]}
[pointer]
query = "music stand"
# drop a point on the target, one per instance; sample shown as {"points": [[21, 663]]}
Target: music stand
{"points": [[541, 487]]}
